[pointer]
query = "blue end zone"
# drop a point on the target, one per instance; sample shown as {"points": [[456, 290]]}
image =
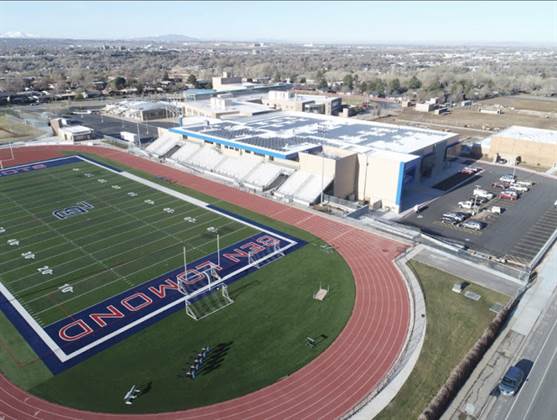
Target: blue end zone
{"points": [[51, 163], [104, 324], [35, 166]]}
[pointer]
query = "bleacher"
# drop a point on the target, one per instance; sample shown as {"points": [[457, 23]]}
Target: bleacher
{"points": [[303, 187], [162, 145], [236, 168], [311, 190], [207, 158], [264, 175], [185, 152]]}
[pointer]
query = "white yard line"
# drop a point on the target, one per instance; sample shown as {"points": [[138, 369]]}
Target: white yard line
{"points": [[81, 267]]}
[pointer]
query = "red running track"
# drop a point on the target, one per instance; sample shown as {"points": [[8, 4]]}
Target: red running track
{"points": [[330, 385]]}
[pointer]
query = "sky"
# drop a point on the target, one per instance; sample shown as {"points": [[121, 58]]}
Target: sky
{"points": [[321, 21]]}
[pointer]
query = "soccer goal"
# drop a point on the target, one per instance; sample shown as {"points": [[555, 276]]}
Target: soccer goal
{"points": [[208, 297], [6, 155], [265, 257]]}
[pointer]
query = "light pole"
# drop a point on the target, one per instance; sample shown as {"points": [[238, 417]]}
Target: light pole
{"points": [[322, 175], [218, 250]]}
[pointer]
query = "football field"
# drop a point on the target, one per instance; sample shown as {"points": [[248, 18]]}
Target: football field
{"points": [[76, 234]]}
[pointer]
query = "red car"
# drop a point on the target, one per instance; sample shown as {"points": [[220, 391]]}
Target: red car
{"points": [[508, 195]]}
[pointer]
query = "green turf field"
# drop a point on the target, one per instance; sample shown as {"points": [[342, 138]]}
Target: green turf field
{"points": [[123, 241], [261, 336]]}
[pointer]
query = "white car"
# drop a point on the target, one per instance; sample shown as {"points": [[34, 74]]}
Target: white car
{"points": [[518, 187], [483, 193], [507, 178], [466, 204], [473, 224], [524, 183]]}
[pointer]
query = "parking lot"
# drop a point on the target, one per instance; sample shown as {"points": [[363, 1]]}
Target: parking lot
{"points": [[111, 126], [517, 234]]}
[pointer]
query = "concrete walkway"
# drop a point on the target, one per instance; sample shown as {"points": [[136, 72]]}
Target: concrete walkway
{"points": [[521, 339]]}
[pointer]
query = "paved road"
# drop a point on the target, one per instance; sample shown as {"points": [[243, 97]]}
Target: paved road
{"points": [[468, 271], [536, 399]]}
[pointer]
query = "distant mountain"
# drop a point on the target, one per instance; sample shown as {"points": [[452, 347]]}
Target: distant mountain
{"points": [[167, 38], [18, 35]]}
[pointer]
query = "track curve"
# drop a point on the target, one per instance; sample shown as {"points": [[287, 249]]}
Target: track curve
{"points": [[330, 385]]}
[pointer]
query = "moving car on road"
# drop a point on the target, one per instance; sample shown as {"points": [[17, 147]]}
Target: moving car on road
{"points": [[511, 382]]}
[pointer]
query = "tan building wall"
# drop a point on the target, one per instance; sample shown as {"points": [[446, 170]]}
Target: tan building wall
{"points": [[343, 169], [345, 177], [531, 153], [379, 181]]}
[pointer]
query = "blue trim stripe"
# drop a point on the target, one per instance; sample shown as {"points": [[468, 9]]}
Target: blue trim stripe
{"points": [[400, 184]]}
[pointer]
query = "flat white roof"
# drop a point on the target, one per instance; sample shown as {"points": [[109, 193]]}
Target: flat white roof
{"points": [[76, 129], [347, 133], [537, 135], [235, 106]]}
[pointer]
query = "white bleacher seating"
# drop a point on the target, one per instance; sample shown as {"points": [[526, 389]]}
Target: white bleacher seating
{"points": [[293, 184], [311, 190], [264, 176], [237, 168], [185, 152], [303, 187], [162, 145], [207, 158]]}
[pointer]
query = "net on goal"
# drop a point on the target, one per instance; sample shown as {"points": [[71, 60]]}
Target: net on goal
{"points": [[204, 293], [6, 155]]}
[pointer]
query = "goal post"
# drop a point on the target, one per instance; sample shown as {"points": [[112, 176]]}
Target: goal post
{"points": [[208, 299], [6, 156]]}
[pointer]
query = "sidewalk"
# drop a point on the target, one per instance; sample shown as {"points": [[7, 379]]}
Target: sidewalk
{"points": [[521, 337]]}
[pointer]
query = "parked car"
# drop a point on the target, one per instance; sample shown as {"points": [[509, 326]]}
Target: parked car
{"points": [[525, 183], [468, 170], [512, 381], [519, 188], [448, 220], [457, 216], [509, 195], [500, 185], [478, 200], [496, 210], [508, 178], [473, 224], [466, 204], [479, 192]]}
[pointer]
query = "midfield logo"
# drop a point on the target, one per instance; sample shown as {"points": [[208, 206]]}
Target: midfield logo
{"points": [[79, 208]]}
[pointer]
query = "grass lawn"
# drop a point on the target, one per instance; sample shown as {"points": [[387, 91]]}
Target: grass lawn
{"points": [[14, 129], [454, 323], [260, 338]]}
